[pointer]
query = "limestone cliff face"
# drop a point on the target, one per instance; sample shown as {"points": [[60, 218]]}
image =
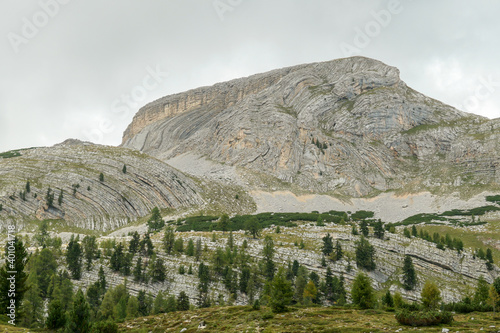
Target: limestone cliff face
{"points": [[349, 126], [87, 202]]}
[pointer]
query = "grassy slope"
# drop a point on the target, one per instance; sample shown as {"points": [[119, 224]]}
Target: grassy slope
{"points": [[474, 239], [244, 319]]}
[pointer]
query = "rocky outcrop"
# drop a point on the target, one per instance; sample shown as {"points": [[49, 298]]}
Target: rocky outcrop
{"points": [[348, 126], [74, 168]]}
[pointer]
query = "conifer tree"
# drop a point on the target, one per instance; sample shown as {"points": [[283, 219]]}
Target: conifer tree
{"points": [[197, 252], [281, 292], [183, 302], [138, 274], [378, 230], [132, 307], [365, 254], [338, 251], [124, 169], [327, 246], [158, 272], [190, 248], [74, 258], [56, 317], [90, 249], [79, 317], [155, 222], [430, 295], [409, 274], [133, 245], [32, 304], [364, 228], [168, 240], [268, 254], [253, 226], [362, 292]]}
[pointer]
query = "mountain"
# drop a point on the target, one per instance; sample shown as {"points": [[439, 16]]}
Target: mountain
{"points": [[74, 168], [348, 127]]}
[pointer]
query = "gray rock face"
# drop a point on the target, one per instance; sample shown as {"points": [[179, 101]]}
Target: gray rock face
{"points": [[349, 126], [95, 205]]}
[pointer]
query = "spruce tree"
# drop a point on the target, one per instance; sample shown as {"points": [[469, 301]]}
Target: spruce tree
{"points": [[138, 274], [132, 307], [158, 272], [198, 250], [42, 236], [60, 198], [124, 169], [387, 300], [90, 249], [409, 274]]}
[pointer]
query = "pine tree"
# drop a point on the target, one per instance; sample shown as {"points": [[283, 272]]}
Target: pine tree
{"points": [[138, 274], [56, 317], [364, 228], [253, 226], [159, 304], [155, 222], [414, 231], [90, 249], [116, 260], [354, 230], [42, 236], [378, 230], [230, 240], [79, 317], [281, 292], [183, 302], [158, 272], [146, 246], [190, 248], [300, 284], [74, 257], [101, 177], [268, 254], [133, 245], [409, 274], [387, 300], [28, 187], [224, 223], [489, 259], [124, 169], [171, 304], [365, 254], [198, 250], [169, 240], [327, 246], [49, 197], [101, 278], [13, 264], [338, 251], [362, 292], [60, 198]]}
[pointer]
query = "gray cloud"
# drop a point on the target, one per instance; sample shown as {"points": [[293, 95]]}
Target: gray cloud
{"points": [[70, 78]]}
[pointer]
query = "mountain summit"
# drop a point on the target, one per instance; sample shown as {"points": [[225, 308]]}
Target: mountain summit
{"points": [[349, 126]]}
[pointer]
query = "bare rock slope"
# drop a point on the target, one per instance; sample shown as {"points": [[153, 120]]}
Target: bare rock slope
{"points": [[87, 202], [349, 126]]}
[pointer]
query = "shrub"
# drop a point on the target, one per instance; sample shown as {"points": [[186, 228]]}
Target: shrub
{"points": [[423, 318], [104, 327]]}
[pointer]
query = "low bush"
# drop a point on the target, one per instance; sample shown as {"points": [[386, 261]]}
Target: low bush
{"points": [[423, 318]]}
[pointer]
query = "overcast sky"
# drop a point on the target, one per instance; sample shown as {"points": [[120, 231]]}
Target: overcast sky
{"points": [[82, 68]]}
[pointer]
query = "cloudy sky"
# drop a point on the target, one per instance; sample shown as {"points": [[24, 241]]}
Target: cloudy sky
{"points": [[81, 69]]}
